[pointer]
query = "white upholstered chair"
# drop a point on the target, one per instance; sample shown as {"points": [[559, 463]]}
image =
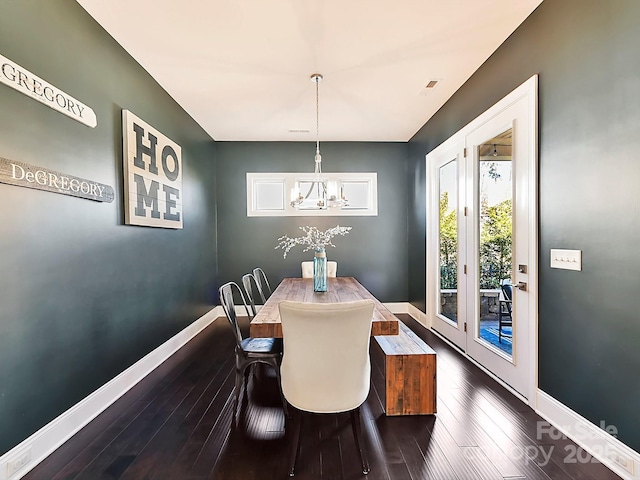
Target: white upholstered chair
{"points": [[307, 269], [326, 367]]}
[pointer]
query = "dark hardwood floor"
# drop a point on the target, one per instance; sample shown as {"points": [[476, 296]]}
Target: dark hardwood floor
{"points": [[176, 424]]}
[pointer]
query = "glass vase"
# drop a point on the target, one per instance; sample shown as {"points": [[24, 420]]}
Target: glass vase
{"points": [[320, 271]]}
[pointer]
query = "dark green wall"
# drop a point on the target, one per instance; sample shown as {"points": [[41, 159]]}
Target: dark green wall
{"points": [[586, 55], [82, 296], [375, 251]]}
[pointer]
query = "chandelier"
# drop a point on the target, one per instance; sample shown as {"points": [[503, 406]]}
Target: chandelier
{"points": [[321, 192]]}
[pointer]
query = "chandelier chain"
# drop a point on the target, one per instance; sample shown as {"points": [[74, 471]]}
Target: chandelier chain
{"points": [[317, 82], [328, 192]]}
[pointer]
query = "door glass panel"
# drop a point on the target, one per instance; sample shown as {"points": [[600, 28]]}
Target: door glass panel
{"points": [[495, 190], [448, 241]]}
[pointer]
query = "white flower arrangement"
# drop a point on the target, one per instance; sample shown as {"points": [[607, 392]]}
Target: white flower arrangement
{"points": [[313, 239]]}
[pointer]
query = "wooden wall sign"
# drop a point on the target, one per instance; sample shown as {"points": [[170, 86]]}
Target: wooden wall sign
{"points": [[30, 176], [15, 76], [152, 175]]}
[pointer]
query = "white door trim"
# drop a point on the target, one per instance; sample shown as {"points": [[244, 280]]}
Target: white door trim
{"points": [[452, 151], [528, 90]]}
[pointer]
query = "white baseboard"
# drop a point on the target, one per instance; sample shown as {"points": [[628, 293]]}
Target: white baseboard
{"points": [[18, 461], [418, 315], [602, 445], [408, 308], [397, 307]]}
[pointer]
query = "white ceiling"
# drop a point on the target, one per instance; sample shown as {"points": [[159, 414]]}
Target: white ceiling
{"points": [[241, 68]]}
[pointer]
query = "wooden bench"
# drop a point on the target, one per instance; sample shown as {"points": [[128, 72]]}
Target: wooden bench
{"points": [[404, 370]]}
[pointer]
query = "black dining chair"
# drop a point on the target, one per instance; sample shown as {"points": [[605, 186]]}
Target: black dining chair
{"points": [[249, 351], [252, 291], [263, 284], [505, 318]]}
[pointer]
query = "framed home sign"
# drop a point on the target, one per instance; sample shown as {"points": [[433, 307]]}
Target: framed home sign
{"points": [[152, 175]]}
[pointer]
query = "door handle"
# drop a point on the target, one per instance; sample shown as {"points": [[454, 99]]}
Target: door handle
{"points": [[522, 286]]}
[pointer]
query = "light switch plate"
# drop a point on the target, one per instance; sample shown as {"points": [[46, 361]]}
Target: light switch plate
{"points": [[566, 259]]}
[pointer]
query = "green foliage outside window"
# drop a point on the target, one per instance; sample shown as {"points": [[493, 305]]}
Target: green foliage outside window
{"points": [[448, 245], [496, 233]]}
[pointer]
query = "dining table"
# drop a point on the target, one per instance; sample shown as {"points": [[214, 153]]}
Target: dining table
{"points": [[267, 321]]}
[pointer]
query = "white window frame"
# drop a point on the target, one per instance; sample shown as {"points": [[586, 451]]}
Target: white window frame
{"points": [[288, 181]]}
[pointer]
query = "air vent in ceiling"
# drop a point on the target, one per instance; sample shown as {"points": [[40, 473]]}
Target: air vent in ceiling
{"points": [[429, 86]]}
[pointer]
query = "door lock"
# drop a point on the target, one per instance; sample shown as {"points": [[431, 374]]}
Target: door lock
{"points": [[522, 286]]}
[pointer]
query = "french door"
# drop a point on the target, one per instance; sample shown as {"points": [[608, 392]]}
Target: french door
{"points": [[482, 240]]}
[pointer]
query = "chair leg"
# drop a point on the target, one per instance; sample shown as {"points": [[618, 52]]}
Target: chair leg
{"points": [[295, 443], [276, 367], [357, 435], [500, 325], [237, 388], [246, 374]]}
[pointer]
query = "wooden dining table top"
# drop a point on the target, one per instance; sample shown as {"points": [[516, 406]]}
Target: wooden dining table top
{"points": [[339, 289]]}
